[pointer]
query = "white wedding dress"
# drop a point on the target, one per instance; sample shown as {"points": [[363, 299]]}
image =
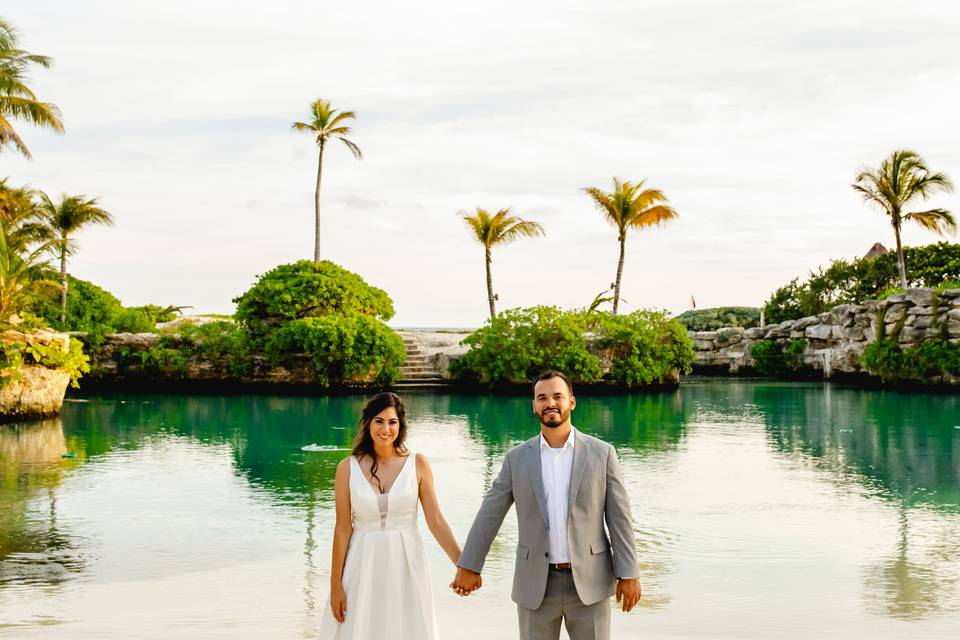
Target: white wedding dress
{"points": [[385, 576]]}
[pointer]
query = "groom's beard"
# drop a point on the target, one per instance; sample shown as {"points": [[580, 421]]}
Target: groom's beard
{"points": [[552, 419]]}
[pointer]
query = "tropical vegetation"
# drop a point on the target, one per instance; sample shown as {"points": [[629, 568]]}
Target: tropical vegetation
{"points": [[491, 230], [60, 223], [642, 348], [719, 317], [325, 124], [843, 282], [901, 179], [927, 362], [17, 99], [629, 206]]}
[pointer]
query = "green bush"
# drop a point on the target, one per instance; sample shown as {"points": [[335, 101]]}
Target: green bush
{"points": [[646, 346], [642, 348], [771, 358], [345, 349], [95, 310], [221, 341], [923, 363], [863, 279], [713, 319], [14, 355], [307, 289], [520, 343]]}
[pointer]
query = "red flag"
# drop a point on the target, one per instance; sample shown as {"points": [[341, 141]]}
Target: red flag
{"points": [[693, 303]]}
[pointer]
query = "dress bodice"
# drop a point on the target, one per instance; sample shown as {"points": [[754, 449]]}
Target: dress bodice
{"points": [[396, 509]]}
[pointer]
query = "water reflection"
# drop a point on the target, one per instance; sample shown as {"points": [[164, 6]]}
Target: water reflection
{"points": [[34, 548], [901, 449]]}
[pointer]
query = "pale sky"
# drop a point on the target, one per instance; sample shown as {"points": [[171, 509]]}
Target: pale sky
{"points": [[753, 118]]}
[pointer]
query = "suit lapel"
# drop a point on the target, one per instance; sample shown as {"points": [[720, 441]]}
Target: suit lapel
{"points": [[580, 454], [536, 476]]}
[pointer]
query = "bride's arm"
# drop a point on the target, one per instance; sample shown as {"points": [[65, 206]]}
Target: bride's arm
{"points": [[431, 511], [342, 532]]}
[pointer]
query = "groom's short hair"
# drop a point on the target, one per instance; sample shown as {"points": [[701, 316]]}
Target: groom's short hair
{"points": [[550, 373]]}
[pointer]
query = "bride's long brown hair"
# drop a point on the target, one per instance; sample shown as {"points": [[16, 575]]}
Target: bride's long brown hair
{"points": [[363, 443]]}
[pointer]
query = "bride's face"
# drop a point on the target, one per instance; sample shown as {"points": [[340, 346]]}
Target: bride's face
{"points": [[385, 427]]}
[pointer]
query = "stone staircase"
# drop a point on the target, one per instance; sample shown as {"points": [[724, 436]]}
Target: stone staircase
{"points": [[417, 372]]}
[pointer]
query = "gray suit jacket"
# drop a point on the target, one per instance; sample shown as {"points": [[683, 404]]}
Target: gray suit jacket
{"points": [[597, 495]]}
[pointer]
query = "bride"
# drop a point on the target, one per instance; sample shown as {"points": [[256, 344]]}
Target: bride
{"points": [[379, 581]]}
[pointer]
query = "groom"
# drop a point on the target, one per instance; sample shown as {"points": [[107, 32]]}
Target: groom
{"points": [[565, 484]]}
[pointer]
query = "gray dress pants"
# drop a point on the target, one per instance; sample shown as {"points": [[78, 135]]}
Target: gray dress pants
{"points": [[561, 602]]}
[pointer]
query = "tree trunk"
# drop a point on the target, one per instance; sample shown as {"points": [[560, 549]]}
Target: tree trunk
{"points": [[901, 265], [493, 310], [316, 209], [616, 286], [63, 282]]}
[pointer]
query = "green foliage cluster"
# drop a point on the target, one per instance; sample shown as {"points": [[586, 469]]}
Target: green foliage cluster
{"points": [[923, 363], [16, 354], [320, 311], [863, 279], [771, 358], [214, 342], [719, 317], [306, 289], [351, 347], [95, 310], [642, 347]]}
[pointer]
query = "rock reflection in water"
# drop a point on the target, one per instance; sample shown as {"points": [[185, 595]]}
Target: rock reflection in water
{"points": [[34, 549]]}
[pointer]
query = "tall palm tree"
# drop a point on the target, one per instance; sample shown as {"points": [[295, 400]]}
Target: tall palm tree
{"points": [[902, 178], [20, 216], [62, 221], [629, 206], [17, 100], [21, 273], [499, 228], [325, 123]]}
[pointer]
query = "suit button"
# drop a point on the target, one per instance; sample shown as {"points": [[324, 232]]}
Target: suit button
{"points": [[546, 555]]}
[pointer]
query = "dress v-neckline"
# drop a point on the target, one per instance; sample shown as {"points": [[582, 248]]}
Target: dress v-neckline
{"points": [[373, 489]]}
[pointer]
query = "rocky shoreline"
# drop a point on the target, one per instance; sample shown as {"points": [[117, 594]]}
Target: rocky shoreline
{"points": [[836, 339]]}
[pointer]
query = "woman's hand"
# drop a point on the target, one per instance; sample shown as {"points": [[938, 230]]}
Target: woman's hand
{"points": [[338, 603]]}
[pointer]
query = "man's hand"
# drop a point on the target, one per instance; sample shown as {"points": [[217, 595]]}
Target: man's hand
{"points": [[628, 590], [466, 582]]}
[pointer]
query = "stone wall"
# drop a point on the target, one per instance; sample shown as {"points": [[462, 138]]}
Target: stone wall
{"points": [[837, 338]]}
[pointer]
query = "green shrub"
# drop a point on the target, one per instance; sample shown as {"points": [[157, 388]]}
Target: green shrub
{"points": [[646, 347], [15, 355], [923, 363], [713, 319], [95, 310], [520, 343], [770, 358], [863, 279], [307, 289], [643, 347], [220, 341], [345, 349]]}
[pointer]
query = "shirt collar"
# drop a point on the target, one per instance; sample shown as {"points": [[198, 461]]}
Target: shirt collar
{"points": [[568, 444]]}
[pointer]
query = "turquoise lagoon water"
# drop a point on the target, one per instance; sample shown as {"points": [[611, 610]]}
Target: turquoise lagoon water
{"points": [[762, 510]]}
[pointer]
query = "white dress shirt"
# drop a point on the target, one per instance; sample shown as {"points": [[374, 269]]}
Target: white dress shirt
{"points": [[556, 466]]}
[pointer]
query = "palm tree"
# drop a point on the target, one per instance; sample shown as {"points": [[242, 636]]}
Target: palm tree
{"points": [[21, 273], [325, 123], [499, 228], [901, 178], [17, 101], [20, 216], [629, 206], [61, 222]]}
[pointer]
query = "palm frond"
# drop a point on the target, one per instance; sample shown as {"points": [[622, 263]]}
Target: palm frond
{"points": [[937, 220], [354, 149]]}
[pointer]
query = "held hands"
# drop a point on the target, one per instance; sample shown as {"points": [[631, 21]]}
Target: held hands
{"points": [[338, 603], [466, 582], [628, 590]]}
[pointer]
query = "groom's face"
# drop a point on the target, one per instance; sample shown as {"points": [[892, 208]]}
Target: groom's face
{"points": [[552, 402]]}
